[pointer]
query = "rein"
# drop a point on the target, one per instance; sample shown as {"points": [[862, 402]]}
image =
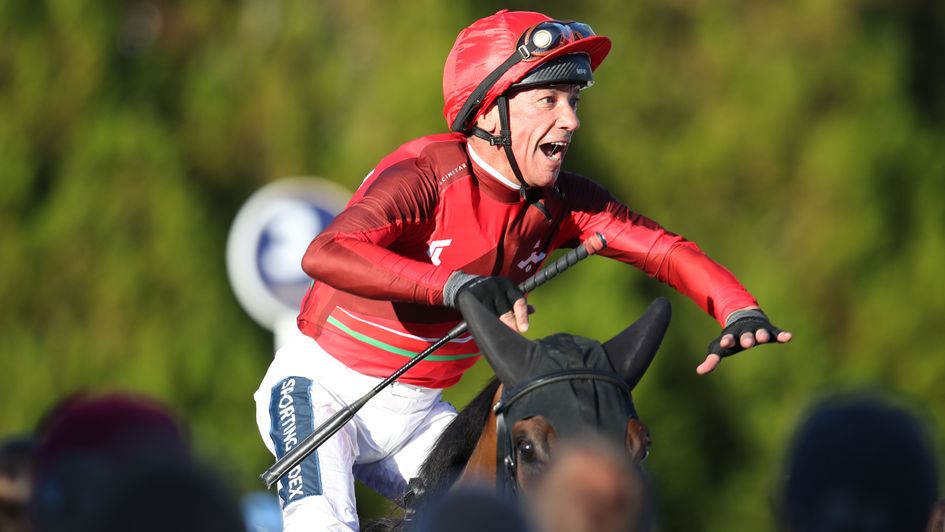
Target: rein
{"points": [[506, 465]]}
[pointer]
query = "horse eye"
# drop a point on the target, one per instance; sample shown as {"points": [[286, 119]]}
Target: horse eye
{"points": [[526, 451]]}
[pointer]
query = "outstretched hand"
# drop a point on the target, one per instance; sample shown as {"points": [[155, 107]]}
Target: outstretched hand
{"points": [[743, 333]]}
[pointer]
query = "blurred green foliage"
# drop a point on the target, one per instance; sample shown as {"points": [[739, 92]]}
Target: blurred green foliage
{"points": [[802, 144]]}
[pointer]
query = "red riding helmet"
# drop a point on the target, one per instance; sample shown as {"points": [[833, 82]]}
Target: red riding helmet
{"points": [[502, 50]]}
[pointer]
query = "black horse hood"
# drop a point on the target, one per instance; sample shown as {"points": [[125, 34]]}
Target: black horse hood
{"points": [[571, 405], [577, 406]]}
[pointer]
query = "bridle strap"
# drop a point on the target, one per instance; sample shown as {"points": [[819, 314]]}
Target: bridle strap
{"points": [[505, 461], [558, 376]]}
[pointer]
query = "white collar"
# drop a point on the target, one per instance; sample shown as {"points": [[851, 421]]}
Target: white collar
{"points": [[490, 170]]}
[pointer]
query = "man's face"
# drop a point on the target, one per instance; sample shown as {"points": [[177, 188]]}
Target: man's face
{"points": [[542, 121]]}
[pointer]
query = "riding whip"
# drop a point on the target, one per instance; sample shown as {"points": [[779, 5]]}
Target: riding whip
{"points": [[327, 429]]}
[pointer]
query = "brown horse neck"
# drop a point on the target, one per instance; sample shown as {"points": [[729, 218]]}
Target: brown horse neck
{"points": [[480, 469]]}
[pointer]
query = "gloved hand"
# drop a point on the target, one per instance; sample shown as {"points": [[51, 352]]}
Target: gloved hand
{"points": [[749, 321], [497, 294]]}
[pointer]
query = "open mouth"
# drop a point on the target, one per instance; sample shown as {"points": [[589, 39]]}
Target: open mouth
{"points": [[554, 150]]}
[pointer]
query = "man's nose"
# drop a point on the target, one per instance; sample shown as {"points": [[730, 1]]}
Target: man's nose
{"points": [[568, 118]]}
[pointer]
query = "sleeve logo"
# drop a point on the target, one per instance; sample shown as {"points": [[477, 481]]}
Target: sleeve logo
{"points": [[437, 247]]}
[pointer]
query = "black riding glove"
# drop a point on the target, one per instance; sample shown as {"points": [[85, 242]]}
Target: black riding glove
{"points": [[739, 323], [497, 294]]}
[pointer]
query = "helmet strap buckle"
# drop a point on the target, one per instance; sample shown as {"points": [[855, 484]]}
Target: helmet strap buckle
{"points": [[503, 139]]}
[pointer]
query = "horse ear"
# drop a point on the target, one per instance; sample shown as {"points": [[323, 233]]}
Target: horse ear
{"points": [[632, 350], [509, 353]]}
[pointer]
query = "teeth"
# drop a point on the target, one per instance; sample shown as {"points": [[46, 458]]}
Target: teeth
{"points": [[554, 149]]}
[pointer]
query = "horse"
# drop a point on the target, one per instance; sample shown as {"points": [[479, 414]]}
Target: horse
{"points": [[558, 388]]}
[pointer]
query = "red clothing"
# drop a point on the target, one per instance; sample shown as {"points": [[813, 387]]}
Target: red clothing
{"points": [[427, 211]]}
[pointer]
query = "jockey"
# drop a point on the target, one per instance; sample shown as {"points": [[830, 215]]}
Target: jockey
{"points": [[476, 210]]}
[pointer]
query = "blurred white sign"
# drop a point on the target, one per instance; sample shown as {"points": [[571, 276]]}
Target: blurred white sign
{"points": [[267, 240]]}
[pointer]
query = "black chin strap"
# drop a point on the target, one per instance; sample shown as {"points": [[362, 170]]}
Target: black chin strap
{"points": [[504, 139]]}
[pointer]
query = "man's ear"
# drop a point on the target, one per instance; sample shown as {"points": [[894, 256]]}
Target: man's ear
{"points": [[489, 120]]}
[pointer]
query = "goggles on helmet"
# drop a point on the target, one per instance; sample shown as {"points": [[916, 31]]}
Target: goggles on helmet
{"points": [[542, 38], [536, 42]]}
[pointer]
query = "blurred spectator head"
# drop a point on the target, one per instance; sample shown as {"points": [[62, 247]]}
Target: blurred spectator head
{"points": [[86, 442], [592, 486], [121, 426], [178, 497], [16, 455], [937, 520], [859, 462]]}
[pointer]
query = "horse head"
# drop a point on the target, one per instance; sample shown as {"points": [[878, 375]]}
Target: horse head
{"points": [[563, 387]]}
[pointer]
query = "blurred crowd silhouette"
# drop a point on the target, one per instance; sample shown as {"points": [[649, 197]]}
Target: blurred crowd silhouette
{"points": [[107, 463], [860, 463], [856, 462]]}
